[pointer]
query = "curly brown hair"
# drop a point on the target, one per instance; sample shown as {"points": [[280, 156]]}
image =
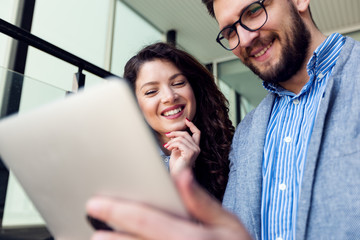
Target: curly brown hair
{"points": [[212, 165]]}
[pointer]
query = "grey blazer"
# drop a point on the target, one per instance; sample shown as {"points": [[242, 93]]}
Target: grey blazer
{"points": [[329, 205]]}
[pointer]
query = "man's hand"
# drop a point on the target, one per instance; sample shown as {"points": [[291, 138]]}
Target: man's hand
{"points": [[139, 221]]}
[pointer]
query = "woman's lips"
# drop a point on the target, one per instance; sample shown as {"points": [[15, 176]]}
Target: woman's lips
{"points": [[173, 112]]}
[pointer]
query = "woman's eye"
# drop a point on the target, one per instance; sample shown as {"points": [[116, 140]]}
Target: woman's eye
{"points": [[150, 92], [180, 83]]}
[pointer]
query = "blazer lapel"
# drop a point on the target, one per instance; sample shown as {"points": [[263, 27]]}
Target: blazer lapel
{"points": [[304, 206], [332, 89]]}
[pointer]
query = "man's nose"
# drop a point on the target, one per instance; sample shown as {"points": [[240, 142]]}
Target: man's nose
{"points": [[246, 37]]}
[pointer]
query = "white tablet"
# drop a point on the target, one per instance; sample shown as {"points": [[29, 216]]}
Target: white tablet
{"points": [[92, 142]]}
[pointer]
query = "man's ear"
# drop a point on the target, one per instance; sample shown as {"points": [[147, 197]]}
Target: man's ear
{"points": [[301, 5]]}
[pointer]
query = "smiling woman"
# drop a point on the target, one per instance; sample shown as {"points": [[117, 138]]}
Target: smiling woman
{"points": [[182, 104], [165, 97]]}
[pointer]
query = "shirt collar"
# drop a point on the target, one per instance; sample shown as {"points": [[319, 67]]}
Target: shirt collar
{"points": [[318, 66]]}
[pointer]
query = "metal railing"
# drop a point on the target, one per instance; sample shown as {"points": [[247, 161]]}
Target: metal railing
{"points": [[36, 42]]}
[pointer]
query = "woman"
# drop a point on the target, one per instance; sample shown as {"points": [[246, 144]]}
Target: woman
{"points": [[182, 104]]}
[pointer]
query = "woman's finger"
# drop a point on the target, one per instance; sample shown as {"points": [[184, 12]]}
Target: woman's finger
{"points": [[196, 134], [182, 134], [182, 152], [186, 148], [180, 141]]}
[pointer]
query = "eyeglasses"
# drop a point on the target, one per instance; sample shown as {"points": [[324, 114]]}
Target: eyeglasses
{"points": [[252, 18]]}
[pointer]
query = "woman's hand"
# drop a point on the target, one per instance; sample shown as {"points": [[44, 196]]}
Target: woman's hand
{"points": [[184, 148]]}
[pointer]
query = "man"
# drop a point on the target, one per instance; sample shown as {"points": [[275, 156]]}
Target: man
{"points": [[295, 163]]}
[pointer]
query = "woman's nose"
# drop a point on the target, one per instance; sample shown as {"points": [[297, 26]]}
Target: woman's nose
{"points": [[169, 96]]}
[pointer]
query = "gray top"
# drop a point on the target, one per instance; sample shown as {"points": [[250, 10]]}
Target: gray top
{"points": [[166, 159]]}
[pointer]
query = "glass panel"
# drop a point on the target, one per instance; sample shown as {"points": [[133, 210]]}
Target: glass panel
{"points": [[18, 94], [229, 93], [24, 93], [6, 13], [79, 27], [238, 77]]}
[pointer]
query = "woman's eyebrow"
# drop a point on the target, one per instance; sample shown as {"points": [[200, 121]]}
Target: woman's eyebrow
{"points": [[155, 83], [176, 75], [148, 83]]}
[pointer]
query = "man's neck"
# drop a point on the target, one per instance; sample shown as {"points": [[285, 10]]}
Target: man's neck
{"points": [[298, 81]]}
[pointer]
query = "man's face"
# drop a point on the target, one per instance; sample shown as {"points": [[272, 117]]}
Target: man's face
{"points": [[278, 50]]}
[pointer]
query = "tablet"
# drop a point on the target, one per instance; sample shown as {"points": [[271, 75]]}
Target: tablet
{"points": [[95, 142]]}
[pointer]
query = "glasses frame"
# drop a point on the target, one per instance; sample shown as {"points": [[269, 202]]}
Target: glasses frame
{"points": [[233, 26]]}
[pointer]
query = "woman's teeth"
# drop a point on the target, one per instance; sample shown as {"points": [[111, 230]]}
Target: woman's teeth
{"points": [[263, 51], [172, 112]]}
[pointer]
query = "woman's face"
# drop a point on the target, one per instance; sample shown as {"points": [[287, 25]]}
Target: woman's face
{"points": [[164, 96]]}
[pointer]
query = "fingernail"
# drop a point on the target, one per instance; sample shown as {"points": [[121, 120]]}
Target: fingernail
{"points": [[165, 145], [167, 133], [188, 119], [93, 206]]}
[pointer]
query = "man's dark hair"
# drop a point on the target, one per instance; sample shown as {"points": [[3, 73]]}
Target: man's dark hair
{"points": [[210, 7]]}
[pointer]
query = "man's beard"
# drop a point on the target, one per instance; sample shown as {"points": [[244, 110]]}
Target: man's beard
{"points": [[293, 53]]}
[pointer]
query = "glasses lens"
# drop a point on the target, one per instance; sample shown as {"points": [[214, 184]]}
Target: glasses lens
{"points": [[254, 16], [228, 38]]}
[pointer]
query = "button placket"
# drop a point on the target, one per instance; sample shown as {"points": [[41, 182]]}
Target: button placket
{"points": [[282, 186]]}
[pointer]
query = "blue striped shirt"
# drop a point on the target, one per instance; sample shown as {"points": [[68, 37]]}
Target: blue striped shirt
{"points": [[286, 142]]}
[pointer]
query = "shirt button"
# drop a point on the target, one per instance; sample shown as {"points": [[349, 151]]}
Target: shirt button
{"points": [[166, 160], [287, 139], [321, 75], [282, 187], [279, 238], [296, 101]]}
